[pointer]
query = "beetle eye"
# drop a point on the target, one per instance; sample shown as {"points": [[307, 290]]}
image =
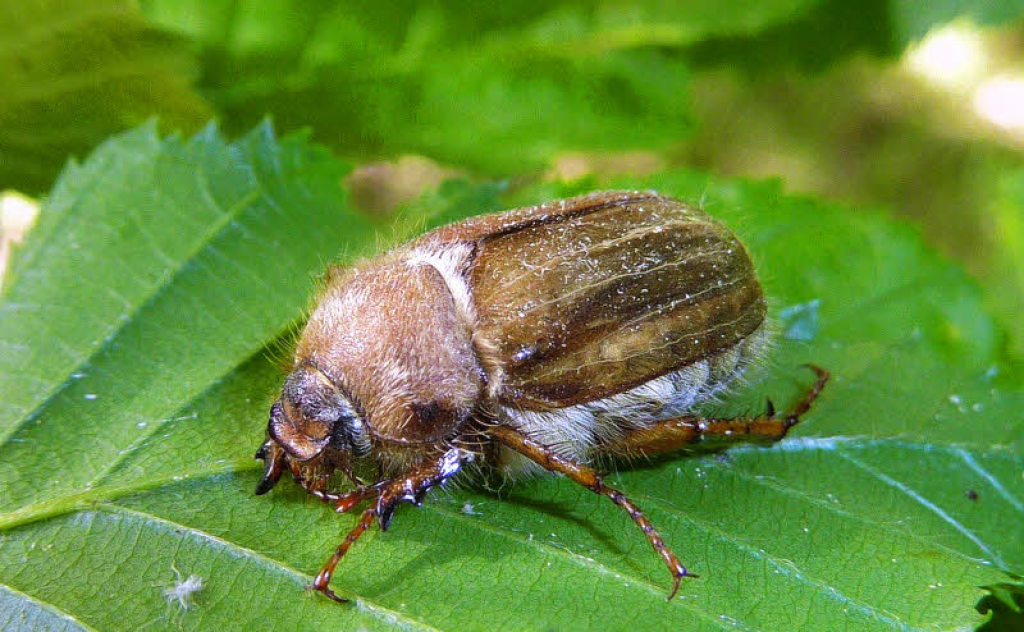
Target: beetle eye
{"points": [[349, 433]]}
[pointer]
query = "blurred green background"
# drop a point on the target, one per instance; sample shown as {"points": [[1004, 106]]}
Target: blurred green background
{"points": [[912, 107]]}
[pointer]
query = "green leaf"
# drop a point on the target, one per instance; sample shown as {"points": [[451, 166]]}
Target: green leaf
{"points": [[1006, 603], [136, 384], [833, 30], [76, 71], [455, 80], [913, 20], [1004, 273]]}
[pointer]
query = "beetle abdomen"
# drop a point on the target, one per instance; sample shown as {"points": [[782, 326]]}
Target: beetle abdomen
{"points": [[584, 431], [605, 293]]}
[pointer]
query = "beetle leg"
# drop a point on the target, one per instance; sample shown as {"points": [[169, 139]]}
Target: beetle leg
{"points": [[678, 432], [588, 478], [408, 488], [323, 578], [346, 501]]}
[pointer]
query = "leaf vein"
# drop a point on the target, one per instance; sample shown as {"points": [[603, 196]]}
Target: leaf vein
{"points": [[580, 560], [785, 567], [993, 481], [929, 505], [241, 552]]}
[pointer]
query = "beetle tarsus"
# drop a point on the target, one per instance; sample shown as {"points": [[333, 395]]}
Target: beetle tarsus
{"points": [[323, 578], [804, 405], [385, 512], [676, 581], [320, 585]]}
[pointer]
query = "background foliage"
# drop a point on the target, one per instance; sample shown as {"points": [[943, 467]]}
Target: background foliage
{"points": [[138, 323]]}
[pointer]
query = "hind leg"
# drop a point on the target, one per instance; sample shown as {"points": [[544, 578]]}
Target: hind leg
{"points": [[680, 432]]}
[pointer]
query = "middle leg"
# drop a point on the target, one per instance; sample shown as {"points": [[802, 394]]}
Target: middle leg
{"points": [[589, 478]]}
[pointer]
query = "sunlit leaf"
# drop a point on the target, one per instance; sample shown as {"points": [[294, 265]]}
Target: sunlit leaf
{"points": [[136, 386]]}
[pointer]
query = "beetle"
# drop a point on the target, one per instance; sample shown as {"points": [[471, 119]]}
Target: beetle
{"points": [[550, 338]]}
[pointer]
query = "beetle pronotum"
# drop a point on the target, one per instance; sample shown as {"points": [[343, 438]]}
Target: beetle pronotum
{"points": [[553, 337]]}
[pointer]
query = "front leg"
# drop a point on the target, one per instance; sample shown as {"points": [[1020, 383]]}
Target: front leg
{"points": [[410, 488], [347, 500]]}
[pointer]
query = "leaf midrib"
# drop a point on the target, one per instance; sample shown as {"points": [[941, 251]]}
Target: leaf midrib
{"points": [[45, 605], [377, 610]]}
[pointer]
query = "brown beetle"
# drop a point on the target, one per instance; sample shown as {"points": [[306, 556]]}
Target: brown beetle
{"points": [[552, 337]]}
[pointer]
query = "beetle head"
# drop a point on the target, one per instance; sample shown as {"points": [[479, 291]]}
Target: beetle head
{"points": [[313, 426]]}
